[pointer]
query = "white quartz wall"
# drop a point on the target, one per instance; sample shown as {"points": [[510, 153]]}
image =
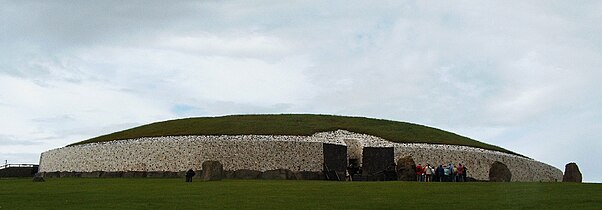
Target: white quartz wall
{"points": [[264, 152], [180, 153], [476, 160]]}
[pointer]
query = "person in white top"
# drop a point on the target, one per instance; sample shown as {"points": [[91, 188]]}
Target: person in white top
{"points": [[429, 172]]}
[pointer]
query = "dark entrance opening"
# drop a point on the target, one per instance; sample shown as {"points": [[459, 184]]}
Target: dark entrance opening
{"points": [[378, 164], [335, 161]]}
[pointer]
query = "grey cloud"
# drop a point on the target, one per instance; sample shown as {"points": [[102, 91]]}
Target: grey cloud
{"points": [[217, 108], [13, 140], [54, 119], [69, 24]]}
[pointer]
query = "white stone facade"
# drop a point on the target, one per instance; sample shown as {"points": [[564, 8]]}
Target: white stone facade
{"points": [[266, 152]]}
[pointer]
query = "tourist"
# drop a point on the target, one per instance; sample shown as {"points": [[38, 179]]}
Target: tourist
{"points": [[451, 173], [460, 176], [189, 174], [439, 173], [464, 172], [446, 173], [348, 176], [429, 173], [435, 177], [419, 172], [455, 177]]}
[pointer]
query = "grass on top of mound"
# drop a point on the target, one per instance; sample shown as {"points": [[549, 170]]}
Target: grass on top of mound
{"points": [[295, 124]]}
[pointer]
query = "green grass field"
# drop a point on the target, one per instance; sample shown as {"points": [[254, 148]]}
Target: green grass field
{"points": [[295, 124], [147, 193]]}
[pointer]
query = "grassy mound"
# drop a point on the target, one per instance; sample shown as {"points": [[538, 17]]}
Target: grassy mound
{"points": [[295, 124]]}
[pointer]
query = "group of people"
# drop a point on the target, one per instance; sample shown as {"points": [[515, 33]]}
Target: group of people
{"points": [[443, 173]]}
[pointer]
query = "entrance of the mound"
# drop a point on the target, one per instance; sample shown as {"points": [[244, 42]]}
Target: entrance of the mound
{"points": [[374, 164], [354, 150], [378, 164]]}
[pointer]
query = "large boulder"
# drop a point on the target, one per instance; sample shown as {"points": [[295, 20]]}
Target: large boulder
{"points": [[246, 174], [172, 174], [406, 169], [229, 174], [155, 174], [308, 175], [572, 173], [64, 174], [277, 174], [93, 174], [55, 174], [499, 172], [38, 179], [212, 170], [134, 174], [112, 174]]}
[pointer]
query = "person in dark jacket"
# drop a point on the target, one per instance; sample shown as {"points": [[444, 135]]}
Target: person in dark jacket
{"points": [[189, 174], [464, 172], [440, 173]]}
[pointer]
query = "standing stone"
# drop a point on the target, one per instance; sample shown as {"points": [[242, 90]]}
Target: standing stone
{"points": [[132, 174], [308, 175], [93, 174], [246, 174], [572, 173], [406, 169], [112, 174], [55, 174], [228, 174], [38, 179], [212, 170], [277, 174], [499, 172], [63, 174]]}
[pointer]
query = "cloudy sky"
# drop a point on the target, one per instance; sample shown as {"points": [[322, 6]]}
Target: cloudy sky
{"points": [[524, 75]]}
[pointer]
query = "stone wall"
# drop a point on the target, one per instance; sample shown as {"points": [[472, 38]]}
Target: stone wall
{"points": [[180, 153], [265, 152], [477, 160]]}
